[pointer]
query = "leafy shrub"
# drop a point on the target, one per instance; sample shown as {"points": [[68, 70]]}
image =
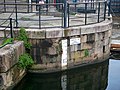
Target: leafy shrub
{"points": [[25, 61], [23, 37]]}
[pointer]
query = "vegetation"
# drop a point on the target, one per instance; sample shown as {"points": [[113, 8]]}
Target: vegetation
{"points": [[86, 53], [25, 61], [7, 41], [23, 37]]}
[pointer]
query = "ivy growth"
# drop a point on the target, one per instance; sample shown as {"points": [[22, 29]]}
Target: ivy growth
{"points": [[86, 53], [7, 41], [23, 37], [25, 61]]}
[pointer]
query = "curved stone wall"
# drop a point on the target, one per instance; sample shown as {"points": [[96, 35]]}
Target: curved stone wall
{"points": [[71, 46]]}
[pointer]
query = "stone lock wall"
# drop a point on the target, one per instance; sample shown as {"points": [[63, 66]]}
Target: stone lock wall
{"points": [[93, 44], [10, 74]]}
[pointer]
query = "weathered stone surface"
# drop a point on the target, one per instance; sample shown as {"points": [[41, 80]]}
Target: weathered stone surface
{"points": [[88, 29], [72, 32], [11, 77], [107, 41], [9, 55], [83, 38], [54, 33], [39, 34], [87, 45]]}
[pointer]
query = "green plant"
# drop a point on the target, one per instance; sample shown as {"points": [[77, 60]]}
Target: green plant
{"points": [[86, 53], [23, 37], [7, 41], [25, 61]]}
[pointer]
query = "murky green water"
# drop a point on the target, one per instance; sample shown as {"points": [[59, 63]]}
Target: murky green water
{"points": [[93, 77]]}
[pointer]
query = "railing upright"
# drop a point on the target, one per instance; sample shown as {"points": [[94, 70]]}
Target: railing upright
{"points": [[68, 15], [11, 31], [109, 7], [62, 16], [105, 10], [16, 15], [85, 13], [65, 13], [4, 6], [98, 12], [39, 16]]}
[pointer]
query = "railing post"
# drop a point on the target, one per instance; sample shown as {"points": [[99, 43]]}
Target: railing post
{"points": [[109, 7], [27, 5], [11, 31], [39, 16], [98, 12], [85, 13], [4, 6], [16, 14], [36, 5], [68, 15], [105, 10], [65, 13]]}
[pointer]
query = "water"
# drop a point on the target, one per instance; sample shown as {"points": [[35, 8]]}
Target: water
{"points": [[114, 75], [102, 76]]}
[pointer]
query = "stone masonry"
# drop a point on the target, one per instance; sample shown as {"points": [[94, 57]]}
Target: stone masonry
{"points": [[94, 44], [10, 74]]}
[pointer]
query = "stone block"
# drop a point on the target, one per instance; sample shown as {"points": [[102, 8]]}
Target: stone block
{"points": [[37, 34], [99, 51], [106, 34], [9, 55], [91, 51], [82, 53], [83, 38], [99, 43], [87, 45], [72, 32], [77, 55], [99, 36], [76, 47], [107, 41], [88, 29], [109, 32], [72, 55], [90, 38], [54, 33]]}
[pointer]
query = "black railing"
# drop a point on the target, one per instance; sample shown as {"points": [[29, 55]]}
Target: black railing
{"points": [[59, 15]]}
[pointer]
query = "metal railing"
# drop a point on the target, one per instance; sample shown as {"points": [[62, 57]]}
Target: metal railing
{"points": [[53, 15]]}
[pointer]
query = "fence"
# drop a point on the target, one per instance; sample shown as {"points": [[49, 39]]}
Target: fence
{"points": [[51, 15]]}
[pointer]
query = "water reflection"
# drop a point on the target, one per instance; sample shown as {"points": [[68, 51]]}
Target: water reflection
{"points": [[93, 77]]}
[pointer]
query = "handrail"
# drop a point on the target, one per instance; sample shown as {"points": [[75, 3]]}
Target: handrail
{"points": [[99, 11]]}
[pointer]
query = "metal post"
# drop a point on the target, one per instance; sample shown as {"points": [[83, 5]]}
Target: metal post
{"points": [[85, 13], [105, 10], [11, 32], [16, 14], [39, 16], [75, 8], [99, 12], [36, 5], [65, 13], [109, 8], [68, 15], [4, 6]]}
